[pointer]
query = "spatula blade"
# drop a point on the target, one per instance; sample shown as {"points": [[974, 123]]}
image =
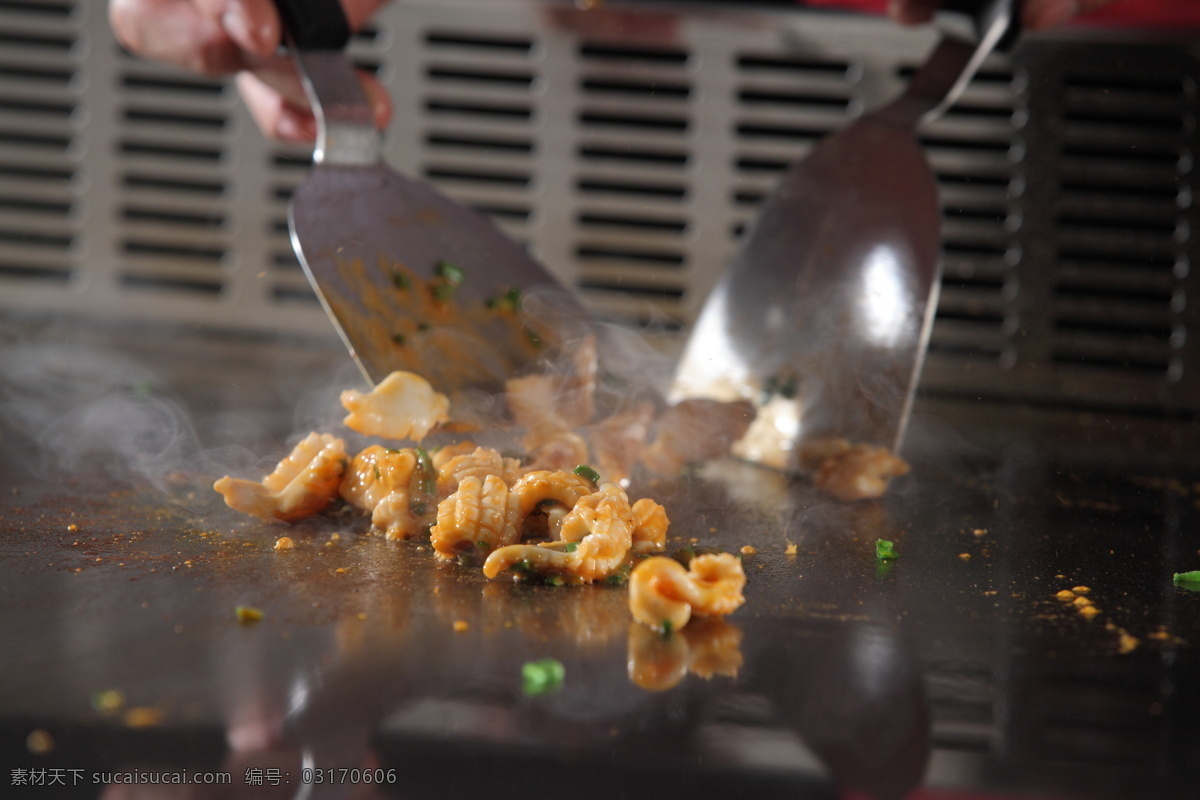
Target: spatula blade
{"points": [[823, 316], [377, 247]]}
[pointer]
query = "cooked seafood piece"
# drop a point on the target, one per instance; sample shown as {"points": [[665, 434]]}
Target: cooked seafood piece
{"points": [[663, 594], [696, 430], [481, 516], [303, 483], [859, 472], [596, 536], [402, 406]]}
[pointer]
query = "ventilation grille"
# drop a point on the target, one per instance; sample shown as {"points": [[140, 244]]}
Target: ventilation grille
{"points": [[478, 107], [173, 214], [630, 158], [1117, 298], [39, 111]]}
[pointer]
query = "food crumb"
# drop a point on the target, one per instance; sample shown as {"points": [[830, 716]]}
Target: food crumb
{"points": [[1127, 643], [979, 532], [790, 551], [340, 570], [1081, 589], [362, 617], [284, 543], [246, 614], [1089, 611], [1081, 602], [73, 528], [460, 625], [143, 717], [1066, 595], [965, 556], [39, 742], [748, 550], [335, 537], [331, 544], [108, 700]]}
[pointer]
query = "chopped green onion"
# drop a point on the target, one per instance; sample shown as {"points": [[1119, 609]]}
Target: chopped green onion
{"points": [[1188, 580], [667, 627], [400, 339], [400, 280], [584, 471], [570, 547], [482, 545], [884, 550], [554, 579], [509, 301], [452, 273], [428, 476], [443, 291], [246, 614], [542, 676]]}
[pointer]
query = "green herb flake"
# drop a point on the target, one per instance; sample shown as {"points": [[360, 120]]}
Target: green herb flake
{"points": [[668, 627], [570, 547], [451, 273], [542, 676], [427, 482], [247, 614], [443, 292], [884, 550], [1188, 580], [584, 471], [400, 280]]}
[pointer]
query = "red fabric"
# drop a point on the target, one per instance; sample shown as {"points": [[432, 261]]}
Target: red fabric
{"points": [[1124, 13]]}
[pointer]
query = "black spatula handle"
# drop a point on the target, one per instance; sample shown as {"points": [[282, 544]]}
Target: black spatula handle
{"points": [[314, 24]]}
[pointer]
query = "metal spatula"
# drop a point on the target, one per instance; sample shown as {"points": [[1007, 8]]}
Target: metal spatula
{"points": [[411, 279], [823, 317]]}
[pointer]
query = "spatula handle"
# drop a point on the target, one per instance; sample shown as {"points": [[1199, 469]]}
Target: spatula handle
{"points": [[316, 33], [314, 24]]}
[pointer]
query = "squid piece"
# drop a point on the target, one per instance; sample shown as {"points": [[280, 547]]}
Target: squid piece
{"points": [[478, 463], [303, 483], [480, 517], [402, 406], [649, 527], [596, 536], [696, 430], [548, 405], [562, 452], [859, 472], [378, 480], [543, 487], [664, 595], [618, 441]]}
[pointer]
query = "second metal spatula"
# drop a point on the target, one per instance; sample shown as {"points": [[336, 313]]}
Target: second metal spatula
{"points": [[412, 279], [823, 317]]}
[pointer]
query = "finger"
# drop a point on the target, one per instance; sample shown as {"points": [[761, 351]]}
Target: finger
{"points": [[274, 115], [174, 31], [252, 24], [912, 12], [359, 11], [284, 113]]}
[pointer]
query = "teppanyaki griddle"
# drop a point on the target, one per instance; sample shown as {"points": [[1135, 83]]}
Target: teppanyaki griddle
{"points": [[953, 667]]}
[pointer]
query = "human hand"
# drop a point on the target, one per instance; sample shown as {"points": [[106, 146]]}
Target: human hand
{"points": [[224, 37], [1036, 15]]}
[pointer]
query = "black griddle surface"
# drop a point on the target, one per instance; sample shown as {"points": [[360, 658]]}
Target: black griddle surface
{"points": [[954, 668]]}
